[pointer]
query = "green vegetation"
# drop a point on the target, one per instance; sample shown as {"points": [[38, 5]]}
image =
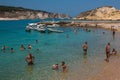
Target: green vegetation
{"points": [[11, 9]]}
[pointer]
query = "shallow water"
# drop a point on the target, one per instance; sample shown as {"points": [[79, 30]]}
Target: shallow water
{"points": [[54, 48]]}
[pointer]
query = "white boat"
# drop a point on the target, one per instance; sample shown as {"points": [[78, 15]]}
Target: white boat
{"points": [[42, 28], [54, 30], [53, 26], [34, 26]]}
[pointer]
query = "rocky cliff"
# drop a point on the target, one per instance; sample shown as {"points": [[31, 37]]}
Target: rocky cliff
{"points": [[8, 12], [102, 13]]}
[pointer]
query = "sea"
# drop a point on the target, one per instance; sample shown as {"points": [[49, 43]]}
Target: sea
{"points": [[53, 49]]}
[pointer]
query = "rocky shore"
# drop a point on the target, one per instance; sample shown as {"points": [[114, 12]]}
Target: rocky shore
{"points": [[101, 13], [92, 24], [18, 13]]}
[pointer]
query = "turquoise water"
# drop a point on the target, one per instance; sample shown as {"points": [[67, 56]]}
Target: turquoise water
{"points": [[54, 48]]}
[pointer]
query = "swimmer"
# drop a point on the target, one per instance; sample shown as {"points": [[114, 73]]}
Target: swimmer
{"points": [[37, 50], [22, 47], [36, 41], [12, 50], [29, 46]]}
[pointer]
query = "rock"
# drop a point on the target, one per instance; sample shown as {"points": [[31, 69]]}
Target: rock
{"points": [[102, 13], [17, 13]]}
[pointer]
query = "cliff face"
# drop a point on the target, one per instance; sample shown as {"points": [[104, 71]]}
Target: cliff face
{"points": [[102, 13], [22, 13]]}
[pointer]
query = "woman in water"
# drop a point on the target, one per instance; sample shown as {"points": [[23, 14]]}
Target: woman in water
{"points": [[30, 59], [64, 66]]}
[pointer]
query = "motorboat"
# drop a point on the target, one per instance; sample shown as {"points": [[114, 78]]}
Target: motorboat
{"points": [[53, 26], [54, 30], [43, 28]]}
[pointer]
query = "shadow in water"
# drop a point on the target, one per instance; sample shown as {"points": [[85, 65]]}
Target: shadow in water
{"points": [[29, 69], [85, 58]]}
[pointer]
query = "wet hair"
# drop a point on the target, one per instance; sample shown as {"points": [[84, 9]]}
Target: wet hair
{"points": [[85, 42], [63, 63], [30, 55], [11, 48], [108, 43]]}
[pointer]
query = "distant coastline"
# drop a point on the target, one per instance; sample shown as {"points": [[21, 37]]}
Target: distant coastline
{"points": [[19, 13], [9, 19]]}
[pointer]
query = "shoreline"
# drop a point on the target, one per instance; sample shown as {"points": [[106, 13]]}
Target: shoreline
{"points": [[98, 24], [87, 24], [5, 19]]}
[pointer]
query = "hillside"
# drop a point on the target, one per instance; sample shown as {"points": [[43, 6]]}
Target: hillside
{"points": [[102, 13], [16, 13]]}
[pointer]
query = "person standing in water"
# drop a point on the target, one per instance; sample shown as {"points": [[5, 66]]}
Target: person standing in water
{"points": [[85, 47], [107, 52], [64, 66], [30, 59], [113, 33]]}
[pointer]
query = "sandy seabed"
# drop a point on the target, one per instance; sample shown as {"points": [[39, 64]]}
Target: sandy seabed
{"points": [[111, 71]]}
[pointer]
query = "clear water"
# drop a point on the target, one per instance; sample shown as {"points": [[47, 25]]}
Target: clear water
{"points": [[54, 48]]}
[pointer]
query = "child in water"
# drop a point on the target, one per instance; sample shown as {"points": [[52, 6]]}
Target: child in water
{"points": [[55, 67], [114, 52]]}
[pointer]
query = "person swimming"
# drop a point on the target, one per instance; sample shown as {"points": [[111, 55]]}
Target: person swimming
{"points": [[36, 41], [37, 51], [22, 47], [30, 59], [12, 50], [29, 46]]}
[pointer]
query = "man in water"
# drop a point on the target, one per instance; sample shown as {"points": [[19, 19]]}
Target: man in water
{"points": [[85, 47], [107, 52], [30, 59]]}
